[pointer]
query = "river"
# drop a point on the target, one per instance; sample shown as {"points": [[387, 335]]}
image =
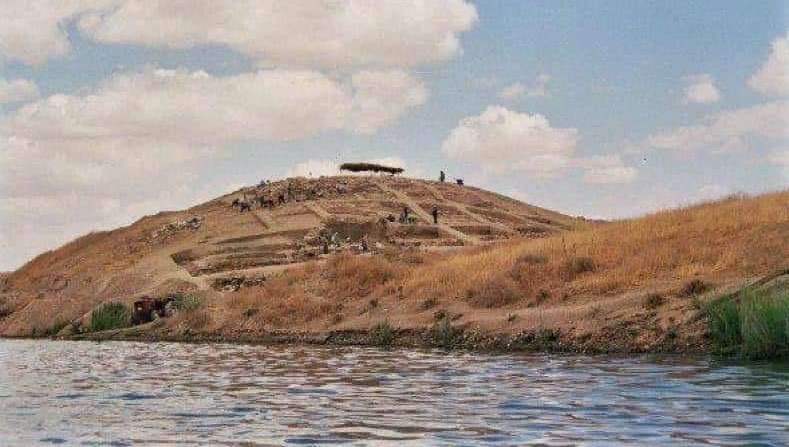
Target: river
{"points": [[123, 393]]}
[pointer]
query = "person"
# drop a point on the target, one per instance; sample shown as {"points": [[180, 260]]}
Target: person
{"points": [[442, 177], [281, 199], [404, 215], [435, 215]]}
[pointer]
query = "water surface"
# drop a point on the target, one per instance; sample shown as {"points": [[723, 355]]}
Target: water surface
{"points": [[119, 393]]}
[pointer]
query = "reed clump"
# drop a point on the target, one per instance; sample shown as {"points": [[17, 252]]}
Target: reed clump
{"points": [[751, 323]]}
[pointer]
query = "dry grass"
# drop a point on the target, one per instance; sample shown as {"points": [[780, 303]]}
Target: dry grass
{"points": [[728, 239], [731, 237]]}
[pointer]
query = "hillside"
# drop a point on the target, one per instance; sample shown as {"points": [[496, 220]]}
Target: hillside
{"points": [[218, 245], [494, 273]]}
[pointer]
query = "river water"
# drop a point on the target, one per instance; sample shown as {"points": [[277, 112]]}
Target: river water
{"points": [[120, 393]]}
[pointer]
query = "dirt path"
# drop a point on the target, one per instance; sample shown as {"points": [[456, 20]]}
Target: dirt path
{"points": [[265, 219], [424, 215], [318, 210], [464, 209]]}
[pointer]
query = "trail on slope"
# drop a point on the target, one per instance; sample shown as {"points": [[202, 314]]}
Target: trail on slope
{"points": [[424, 215]]}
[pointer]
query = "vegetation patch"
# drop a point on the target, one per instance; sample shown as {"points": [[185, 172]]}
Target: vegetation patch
{"points": [[495, 292], [443, 335], [695, 287], [110, 316], [653, 301], [578, 265], [188, 302], [751, 323], [382, 335]]}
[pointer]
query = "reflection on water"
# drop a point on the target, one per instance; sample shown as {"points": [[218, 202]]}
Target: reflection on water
{"points": [[116, 393]]}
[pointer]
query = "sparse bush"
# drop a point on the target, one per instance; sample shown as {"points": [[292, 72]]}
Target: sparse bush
{"points": [[653, 301], [531, 259], [358, 275], [443, 335], [52, 330], [373, 303], [428, 304], [578, 265], [110, 316], [751, 323], [188, 303], [492, 293], [382, 335], [694, 287], [512, 317], [543, 295]]}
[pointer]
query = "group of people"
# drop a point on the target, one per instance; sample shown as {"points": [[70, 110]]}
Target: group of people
{"points": [[265, 196]]}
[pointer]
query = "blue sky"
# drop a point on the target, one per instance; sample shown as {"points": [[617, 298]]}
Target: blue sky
{"points": [[110, 109]]}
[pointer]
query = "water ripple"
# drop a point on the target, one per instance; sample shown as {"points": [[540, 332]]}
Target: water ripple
{"points": [[82, 393]]}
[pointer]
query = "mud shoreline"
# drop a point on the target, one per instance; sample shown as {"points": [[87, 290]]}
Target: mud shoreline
{"points": [[548, 341]]}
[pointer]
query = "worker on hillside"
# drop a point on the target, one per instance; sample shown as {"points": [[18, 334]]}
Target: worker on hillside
{"points": [[435, 215], [442, 177]]}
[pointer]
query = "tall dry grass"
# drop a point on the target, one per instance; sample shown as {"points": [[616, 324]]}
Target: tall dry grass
{"points": [[737, 236]]}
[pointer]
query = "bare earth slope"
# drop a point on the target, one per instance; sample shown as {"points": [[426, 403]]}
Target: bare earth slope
{"points": [[210, 245]]}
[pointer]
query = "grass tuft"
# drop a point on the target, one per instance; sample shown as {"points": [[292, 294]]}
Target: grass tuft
{"points": [[110, 316], [752, 323], [694, 287], [653, 301], [382, 335], [188, 303]]}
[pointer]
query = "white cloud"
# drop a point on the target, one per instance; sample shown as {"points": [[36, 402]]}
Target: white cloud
{"points": [[17, 90], [512, 91], [197, 109], [773, 77], [380, 97], [518, 90], [701, 89], [33, 31], [307, 33], [606, 169], [727, 130], [500, 140]]}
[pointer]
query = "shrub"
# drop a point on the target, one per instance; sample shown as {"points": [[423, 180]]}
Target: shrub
{"points": [[492, 293], [751, 323], [694, 287], [382, 335], [531, 259], [428, 304], [576, 266], [188, 303], [50, 331], [443, 335], [543, 295], [110, 316], [653, 301]]}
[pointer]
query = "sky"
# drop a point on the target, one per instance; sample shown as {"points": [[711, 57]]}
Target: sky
{"points": [[114, 109]]}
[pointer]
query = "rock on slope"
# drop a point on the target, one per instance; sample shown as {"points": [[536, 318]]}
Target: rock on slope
{"points": [[214, 243]]}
